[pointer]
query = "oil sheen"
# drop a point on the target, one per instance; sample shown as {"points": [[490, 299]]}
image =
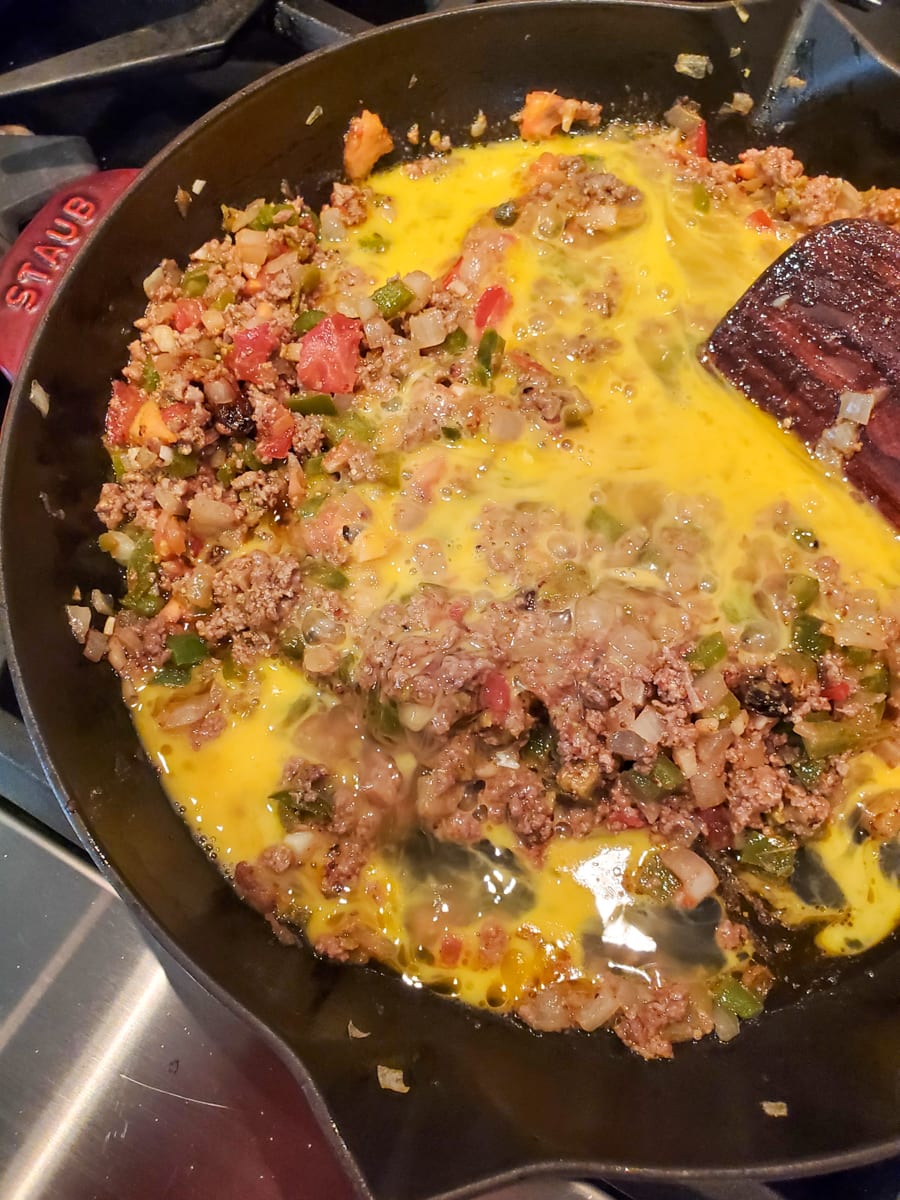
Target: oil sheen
{"points": [[659, 419]]}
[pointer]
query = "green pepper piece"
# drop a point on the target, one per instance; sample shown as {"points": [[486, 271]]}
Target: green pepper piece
{"points": [[805, 538], [599, 520], [700, 196], [309, 507], [149, 376], [507, 213], [292, 642], [642, 787], [565, 583], [143, 595], [708, 651], [187, 649], [807, 772], [311, 403], [825, 738], [878, 680], [807, 636], [304, 808], [381, 716], [489, 355], [183, 466], [313, 466], [350, 425], [768, 853], [265, 217], [308, 320], [374, 243], [172, 676], [804, 589], [665, 774], [387, 469], [308, 279], [655, 879], [451, 434], [857, 656], [118, 465], [250, 459], [733, 996], [455, 341], [539, 746], [194, 281], [326, 575], [393, 298], [232, 672], [224, 298], [725, 710]]}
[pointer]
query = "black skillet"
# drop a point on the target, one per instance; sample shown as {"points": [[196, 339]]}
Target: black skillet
{"points": [[489, 1100]]}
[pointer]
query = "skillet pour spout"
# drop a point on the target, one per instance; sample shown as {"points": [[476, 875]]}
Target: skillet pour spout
{"points": [[489, 1101]]}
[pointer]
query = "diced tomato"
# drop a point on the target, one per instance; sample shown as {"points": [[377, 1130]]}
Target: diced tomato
{"points": [[123, 408], [329, 355], [495, 694], [452, 273], [837, 692], [697, 141], [493, 305], [252, 347], [760, 221], [451, 949], [275, 432], [169, 537], [187, 314]]}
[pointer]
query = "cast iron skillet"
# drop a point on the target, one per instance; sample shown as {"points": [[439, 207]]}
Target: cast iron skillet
{"points": [[489, 1099]]}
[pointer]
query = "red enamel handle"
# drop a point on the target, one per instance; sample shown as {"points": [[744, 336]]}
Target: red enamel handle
{"points": [[35, 264]]}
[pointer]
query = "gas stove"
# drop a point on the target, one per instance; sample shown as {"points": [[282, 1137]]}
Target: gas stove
{"points": [[121, 1076]]}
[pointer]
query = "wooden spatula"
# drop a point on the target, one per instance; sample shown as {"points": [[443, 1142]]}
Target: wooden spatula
{"points": [[816, 341]]}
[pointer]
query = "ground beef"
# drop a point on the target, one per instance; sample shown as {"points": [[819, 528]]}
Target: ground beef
{"points": [[254, 592]]}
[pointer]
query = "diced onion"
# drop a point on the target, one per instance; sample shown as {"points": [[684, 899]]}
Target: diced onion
{"points": [[857, 406], [252, 246], [741, 102], [165, 338], [353, 1032], [420, 284], [79, 616], [698, 879], [95, 645], [39, 398], [209, 517], [101, 603], [711, 686], [504, 425], [332, 227], [727, 1024], [593, 615], [683, 117], [648, 725], [427, 329], [627, 744], [696, 66], [415, 716], [391, 1079], [299, 842], [184, 712]]}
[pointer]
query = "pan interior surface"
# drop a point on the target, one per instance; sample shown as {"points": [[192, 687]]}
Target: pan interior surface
{"points": [[488, 1098]]}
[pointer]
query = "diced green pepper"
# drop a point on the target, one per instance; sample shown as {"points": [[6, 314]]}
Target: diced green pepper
{"points": [[311, 403], [308, 320], [768, 853], [805, 538], [387, 469], [507, 213], [724, 710], [374, 243], [143, 595], [806, 771], [381, 716], [312, 806], [857, 656], [195, 281], [539, 746], [118, 464], [565, 583], [393, 298], [733, 996], [642, 787], [451, 434], [223, 299], [313, 466], [804, 589], [655, 879], [665, 774], [172, 676], [265, 217], [187, 649], [455, 341], [308, 279], [599, 520], [183, 466], [149, 376], [708, 651], [351, 425], [877, 680], [700, 196], [249, 458], [826, 738], [489, 355], [326, 575], [232, 672], [807, 636]]}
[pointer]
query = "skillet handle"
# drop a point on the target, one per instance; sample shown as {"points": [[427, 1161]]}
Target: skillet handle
{"points": [[31, 271]]}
